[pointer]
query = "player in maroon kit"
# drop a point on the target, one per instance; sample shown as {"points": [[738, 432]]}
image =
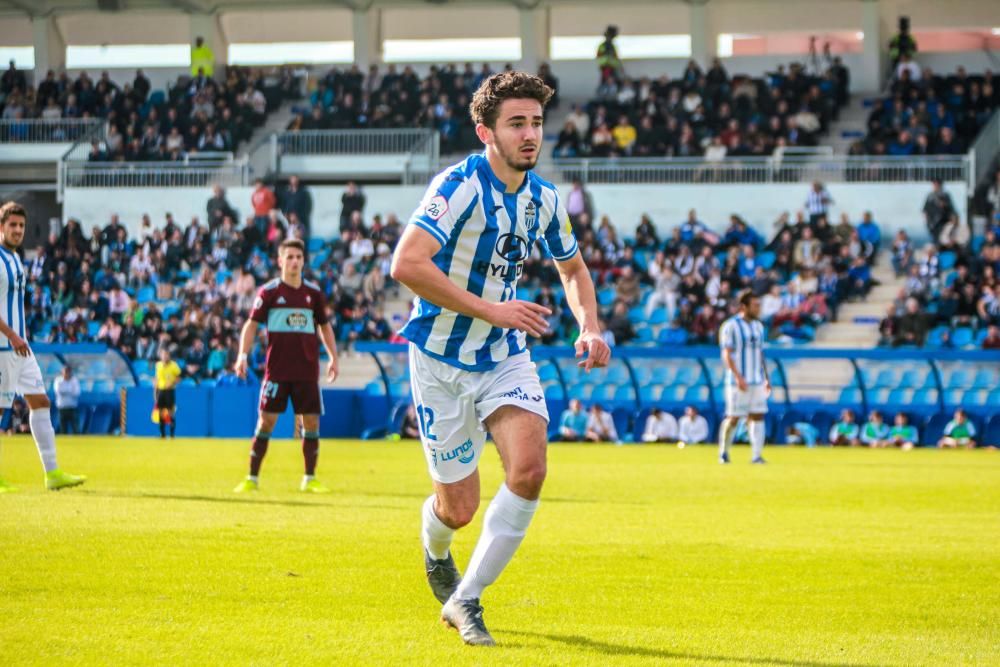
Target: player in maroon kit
{"points": [[294, 312]]}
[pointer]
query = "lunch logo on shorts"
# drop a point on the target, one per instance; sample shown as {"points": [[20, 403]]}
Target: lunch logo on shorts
{"points": [[464, 453]]}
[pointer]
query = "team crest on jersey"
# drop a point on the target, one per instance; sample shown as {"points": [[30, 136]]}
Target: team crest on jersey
{"points": [[530, 217], [436, 207]]}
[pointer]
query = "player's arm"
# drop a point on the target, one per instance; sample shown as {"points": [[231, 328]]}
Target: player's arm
{"points": [[413, 266], [247, 336], [19, 344], [582, 300], [727, 359], [330, 343], [763, 368]]}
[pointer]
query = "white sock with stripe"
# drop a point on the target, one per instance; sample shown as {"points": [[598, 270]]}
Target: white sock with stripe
{"points": [[435, 535], [756, 431], [45, 437], [507, 519]]}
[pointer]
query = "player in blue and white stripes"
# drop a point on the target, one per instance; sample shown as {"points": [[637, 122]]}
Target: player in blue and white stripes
{"points": [[462, 254], [19, 372], [741, 339]]}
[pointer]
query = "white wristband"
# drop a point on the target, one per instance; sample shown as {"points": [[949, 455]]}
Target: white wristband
{"points": [[241, 358]]}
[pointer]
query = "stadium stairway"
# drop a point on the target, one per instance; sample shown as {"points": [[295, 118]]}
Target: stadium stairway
{"points": [[852, 125], [857, 322], [276, 121]]}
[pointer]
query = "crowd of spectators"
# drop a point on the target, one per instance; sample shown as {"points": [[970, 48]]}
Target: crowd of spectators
{"points": [[394, 98], [686, 284], [189, 288], [198, 114], [925, 113], [951, 296], [706, 112]]}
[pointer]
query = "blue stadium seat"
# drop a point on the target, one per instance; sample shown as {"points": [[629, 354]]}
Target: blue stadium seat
{"points": [[625, 392], [103, 386], [93, 328], [644, 334], [936, 337], [157, 98], [671, 336], [649, 394], [957, 378], [946, 260], [962, 337], [886, 378], [555, 392], [688, 375], [954, 397], [606, 296], [696, 394], [399, 389], [580, 391], [643, 373], [900, 396], [617, 373], [602, 392], [850, 395], [994, 397], [658, 316], [925, 397], [316, 244], [662, 373], [547, 371], [879, 396], [141, 366], [146, 294], [766, 260]]}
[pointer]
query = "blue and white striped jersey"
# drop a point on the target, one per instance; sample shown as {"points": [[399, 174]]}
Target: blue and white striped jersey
{"points": [[12, 284], [485, 236], [746, 340]]}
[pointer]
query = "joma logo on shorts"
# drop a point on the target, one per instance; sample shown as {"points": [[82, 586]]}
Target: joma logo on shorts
{"points": [[464, 453], [522, 395]]}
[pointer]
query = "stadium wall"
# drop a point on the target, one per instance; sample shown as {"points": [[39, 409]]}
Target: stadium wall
{"points": [[894, 205]]}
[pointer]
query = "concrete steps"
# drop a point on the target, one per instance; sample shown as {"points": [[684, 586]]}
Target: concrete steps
{"points": [[852, 124], [857, 324]]}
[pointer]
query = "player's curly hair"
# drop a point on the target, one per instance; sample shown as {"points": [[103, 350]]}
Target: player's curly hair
{"points": [[11, 208], [486, 101]]}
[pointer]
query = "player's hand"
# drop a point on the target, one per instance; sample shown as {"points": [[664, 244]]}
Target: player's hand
{"points": [[592, 344], [521, 315], [20, 346], [241, 367], [741, 382], [767, 387], [332, 369]]}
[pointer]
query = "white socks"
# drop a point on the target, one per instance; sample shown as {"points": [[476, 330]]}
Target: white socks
{"points": [[507, 519], [433, 533], [726, 434], [45, 437], [755, 429]]}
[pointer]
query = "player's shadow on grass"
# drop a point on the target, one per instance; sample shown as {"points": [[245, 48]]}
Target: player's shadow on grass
{"points": [[661, 654]]}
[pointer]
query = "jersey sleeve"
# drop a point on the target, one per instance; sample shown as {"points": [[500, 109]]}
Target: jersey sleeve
{"points": [[558, 235], [727, 336], [319, 308], [447, 198], [258, 313]]}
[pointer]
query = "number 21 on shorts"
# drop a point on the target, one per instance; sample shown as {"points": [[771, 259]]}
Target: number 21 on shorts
{"points": [[426, 418]]}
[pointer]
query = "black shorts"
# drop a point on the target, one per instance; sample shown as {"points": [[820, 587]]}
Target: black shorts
{"points": [[306, 399], [166, 398]]}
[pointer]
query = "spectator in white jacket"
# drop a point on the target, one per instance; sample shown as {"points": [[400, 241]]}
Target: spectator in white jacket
{"points": [[601, 426], [67, 390], [660, 427], [693, 428]]}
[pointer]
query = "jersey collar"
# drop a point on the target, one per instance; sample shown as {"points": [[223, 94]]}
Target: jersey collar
{"points": [[500, 185]]}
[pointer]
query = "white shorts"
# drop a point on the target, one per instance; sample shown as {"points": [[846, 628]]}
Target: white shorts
{"points": [[18, 376], [753, 401], [452, 405]]}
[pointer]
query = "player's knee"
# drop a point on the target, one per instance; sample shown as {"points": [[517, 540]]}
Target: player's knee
{"points": [[457, 515], [527, 479]]}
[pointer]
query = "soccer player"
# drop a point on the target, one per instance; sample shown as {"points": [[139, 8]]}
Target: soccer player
{"points": [[19, 371], [294, 312], [462, 253], [168, 374], [747, 384]]}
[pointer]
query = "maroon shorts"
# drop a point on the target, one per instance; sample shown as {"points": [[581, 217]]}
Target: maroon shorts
{"points": [[306, 399]]}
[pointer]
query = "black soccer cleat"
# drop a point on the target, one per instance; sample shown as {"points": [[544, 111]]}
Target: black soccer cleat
{"points": [[442, 575], [466, 616]]}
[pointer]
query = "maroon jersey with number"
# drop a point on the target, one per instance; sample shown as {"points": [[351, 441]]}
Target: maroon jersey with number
{"points": [[291, 316]]}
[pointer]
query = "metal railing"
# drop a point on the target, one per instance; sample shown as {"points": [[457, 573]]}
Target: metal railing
{"points": [[40, 130], [984, 151], [788, 169], [152, 174], [339, 142]]}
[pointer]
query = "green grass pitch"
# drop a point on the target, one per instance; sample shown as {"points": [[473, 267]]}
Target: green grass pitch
{"points": [[638, 555]]}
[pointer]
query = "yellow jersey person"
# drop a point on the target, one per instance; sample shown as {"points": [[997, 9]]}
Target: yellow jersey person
{"points": [[168, 374]]}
